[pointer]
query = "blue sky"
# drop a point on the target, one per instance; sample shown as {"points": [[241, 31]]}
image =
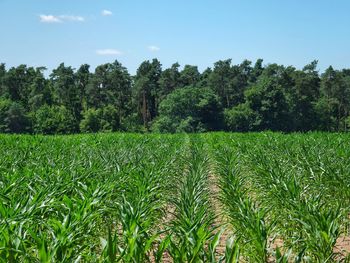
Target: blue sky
{"points": [[197, 32]]}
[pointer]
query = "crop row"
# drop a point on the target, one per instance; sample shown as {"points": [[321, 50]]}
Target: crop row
{"points": [[139, 198]]}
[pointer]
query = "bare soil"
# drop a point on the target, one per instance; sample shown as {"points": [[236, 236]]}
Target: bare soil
{"points": [[220, 220]]}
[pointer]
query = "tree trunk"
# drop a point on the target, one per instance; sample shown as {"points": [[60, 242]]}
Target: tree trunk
{"points": [[144, 109]]}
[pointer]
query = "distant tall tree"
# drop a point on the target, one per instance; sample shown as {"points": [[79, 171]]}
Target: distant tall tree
{"points": [[40, 92], [148, 90], [229, 82], [256, 71], [189, 76], [221, 80], [346, 100], [82, 78], [96, 91], [336, 97], [305, 94], [119, 90], [2, 77], [16, 120], [17, 83], [239, 83], [110, 85], [169, 80], [205, 78], [325, 106], [5, 105], [65, 91], [267, 102]]}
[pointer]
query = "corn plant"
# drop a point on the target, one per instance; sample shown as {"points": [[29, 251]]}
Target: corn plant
{"points": [[148, 197], [192, 234], [246, 217], [308, 222]]}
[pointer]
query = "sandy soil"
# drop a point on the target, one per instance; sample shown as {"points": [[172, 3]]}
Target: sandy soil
{"points": [[220, 219]]}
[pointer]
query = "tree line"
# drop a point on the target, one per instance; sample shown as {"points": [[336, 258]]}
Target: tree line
{"points": [[232, 97]]}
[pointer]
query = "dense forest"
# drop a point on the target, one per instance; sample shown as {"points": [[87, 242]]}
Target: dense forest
{"points": [[243, 97]]}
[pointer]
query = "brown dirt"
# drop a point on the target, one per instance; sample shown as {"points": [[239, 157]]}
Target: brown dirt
{"points": [[343, 246], [168, 216], [220, 220], [167, 219]]}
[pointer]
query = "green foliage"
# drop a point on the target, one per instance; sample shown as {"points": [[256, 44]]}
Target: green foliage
{"points": [[189, 76], [303, 97], [53, 119], [104, 119], [149, 198], [169, 80], [245, 215], [4, 107], [147, 90], [110, 85], [229, 82], [233, 97], [90, 121], [325, 114], [13, 118], [65, 198], [192, 228], [347, 121], [17, 82], [268, 100], [40, 93], [189, 109], [241, 118]]}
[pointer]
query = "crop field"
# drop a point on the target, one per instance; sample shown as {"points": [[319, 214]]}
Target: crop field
{"points": [[215, 197]]}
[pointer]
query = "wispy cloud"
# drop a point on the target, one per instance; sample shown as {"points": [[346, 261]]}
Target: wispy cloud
{"points": [[60, 18], [153, 48], [49, 19], [108, 52], [72, 18], [106, 13]]}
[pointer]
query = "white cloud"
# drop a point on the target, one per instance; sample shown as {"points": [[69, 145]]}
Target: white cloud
{"points": [[72, 18], [153, 48], [108, 52], [60, 19], [106, 13], [49, 19]]}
